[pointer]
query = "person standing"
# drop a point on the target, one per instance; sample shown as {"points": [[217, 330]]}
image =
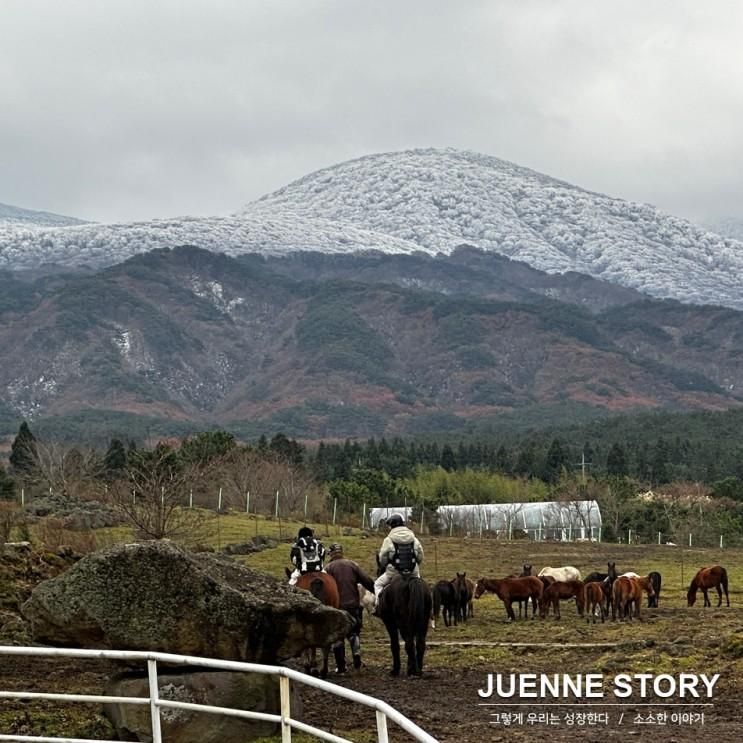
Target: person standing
{"points": [[348, 575]]}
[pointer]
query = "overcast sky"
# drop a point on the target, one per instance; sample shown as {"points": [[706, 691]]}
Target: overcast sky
{"points": [[120, 110]]}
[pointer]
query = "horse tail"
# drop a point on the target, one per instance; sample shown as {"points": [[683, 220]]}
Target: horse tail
{"points": [[724, 579], [317, 589], [419, 605]]}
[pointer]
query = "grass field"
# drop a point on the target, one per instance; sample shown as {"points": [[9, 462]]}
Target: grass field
{"points": [[672, 639]]}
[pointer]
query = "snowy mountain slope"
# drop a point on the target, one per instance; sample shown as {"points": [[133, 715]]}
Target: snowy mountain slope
{"points": [[100, 245], [431, 201], [442, 198], [731, 227], [17, 216]]}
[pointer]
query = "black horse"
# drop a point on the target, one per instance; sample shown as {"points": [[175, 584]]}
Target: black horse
{"points": [[446, 599], [655, 579], [405, 608]]}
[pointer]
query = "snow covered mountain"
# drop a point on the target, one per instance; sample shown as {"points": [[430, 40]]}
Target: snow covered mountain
{"points": [[13, 215], [432, 201]]}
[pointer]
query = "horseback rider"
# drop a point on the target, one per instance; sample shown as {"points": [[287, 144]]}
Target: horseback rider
{"points": [[348, 575], [307, 554], [401, 554]]}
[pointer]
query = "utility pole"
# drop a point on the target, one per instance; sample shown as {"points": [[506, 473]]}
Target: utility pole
{"points": [[583, 464]]}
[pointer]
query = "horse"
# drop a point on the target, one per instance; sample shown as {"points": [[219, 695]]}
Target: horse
{"points": [[655, 579], [405, 608], [628, 596], [366, 599], [470, 592], [568, 572], [594, 599], [606, 580], [561, 590], [525, 573], [464, 595], [324, 588], [445, 599], [511, 589], [713, 577]]}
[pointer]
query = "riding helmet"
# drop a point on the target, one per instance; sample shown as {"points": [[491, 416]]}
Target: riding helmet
{"points": [[394, 520]]}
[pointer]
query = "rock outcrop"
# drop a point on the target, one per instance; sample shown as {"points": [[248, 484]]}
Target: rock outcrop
{"points": [[156, 596]]}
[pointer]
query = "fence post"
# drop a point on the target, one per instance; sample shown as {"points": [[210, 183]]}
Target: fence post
{"points": [[382, 727], [286, 728], [305, 508], [23, 497], [219, 500], [363, 516], [154, 697], [720, 541], [629, 536], [335, 506], [277, 505], [689, 540], [247, 502], [190, 498], [658, 537]]}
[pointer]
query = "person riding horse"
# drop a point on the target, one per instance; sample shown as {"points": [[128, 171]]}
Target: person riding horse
{"points": [[401, 554], [307, 554], [348, 575]]}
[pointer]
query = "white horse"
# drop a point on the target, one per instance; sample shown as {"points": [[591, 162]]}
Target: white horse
{"points": [[628, 575], [561, 575], [366, 599]]}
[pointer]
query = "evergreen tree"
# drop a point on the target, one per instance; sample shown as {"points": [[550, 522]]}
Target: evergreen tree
{"points": [[557, 460], [7, 486], [502, 460], [114, 461], [448, 460], [616, 462], [23, 455]]}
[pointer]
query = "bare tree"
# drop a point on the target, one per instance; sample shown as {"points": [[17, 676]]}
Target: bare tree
{"points": [[66, 469], [153, 495]]}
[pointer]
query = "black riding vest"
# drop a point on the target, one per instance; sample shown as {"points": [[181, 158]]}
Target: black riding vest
{"points": [[404, 558]]}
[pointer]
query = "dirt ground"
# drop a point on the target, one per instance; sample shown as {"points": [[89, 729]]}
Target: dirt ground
{"points": [[672, 639]]}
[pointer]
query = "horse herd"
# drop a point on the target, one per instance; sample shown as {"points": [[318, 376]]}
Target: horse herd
{"points": [[407, 604], [594, 597]]}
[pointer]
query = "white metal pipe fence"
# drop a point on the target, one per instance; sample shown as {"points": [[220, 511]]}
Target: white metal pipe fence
{"points": [[384, 711]]}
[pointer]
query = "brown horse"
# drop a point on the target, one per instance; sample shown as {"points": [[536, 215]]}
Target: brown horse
{"points": [[627, 596], [324, 588], [593, 597], [512, 589], [559, 590], [706, 578]]}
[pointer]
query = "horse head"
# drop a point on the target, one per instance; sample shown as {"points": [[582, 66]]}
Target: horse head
{"points": [[479, 588], [527, 570], [612, 571]]}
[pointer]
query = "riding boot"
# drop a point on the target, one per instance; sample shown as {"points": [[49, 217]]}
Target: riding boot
{"points": [[339, 651]]}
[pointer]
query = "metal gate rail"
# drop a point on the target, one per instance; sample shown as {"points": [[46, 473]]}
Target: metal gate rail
{"points": [[383, 710]]}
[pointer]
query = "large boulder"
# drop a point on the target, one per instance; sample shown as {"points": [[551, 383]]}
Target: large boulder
{"points": [[155, 596], [253, 692]]}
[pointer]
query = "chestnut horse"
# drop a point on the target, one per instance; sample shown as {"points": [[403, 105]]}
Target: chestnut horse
{"points": [[706, 578], [561, 590], [594, 598], [627, 596], [512, 589], [324, 588]]}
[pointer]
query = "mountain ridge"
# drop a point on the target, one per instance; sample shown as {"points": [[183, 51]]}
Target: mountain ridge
{"points": [[430, 201]]}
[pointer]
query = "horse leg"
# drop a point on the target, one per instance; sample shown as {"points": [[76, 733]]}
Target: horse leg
{"points": [[410, 651], [509, 610], [556, 609], [707, 602], [719, 595], [324, 669], [394, 648], [420, 650]]}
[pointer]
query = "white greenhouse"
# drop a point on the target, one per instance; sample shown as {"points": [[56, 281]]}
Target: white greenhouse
{"points": [[553, 520]]}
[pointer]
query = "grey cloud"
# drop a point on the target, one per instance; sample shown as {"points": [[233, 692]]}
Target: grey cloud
{"points": [[131, 110]]}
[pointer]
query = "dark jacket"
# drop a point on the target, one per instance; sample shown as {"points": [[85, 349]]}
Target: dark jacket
{"points": [[347, 574]]}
